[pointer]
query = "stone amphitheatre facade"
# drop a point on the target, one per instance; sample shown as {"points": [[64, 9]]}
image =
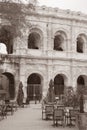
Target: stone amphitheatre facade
{"points": [[42, 43]]}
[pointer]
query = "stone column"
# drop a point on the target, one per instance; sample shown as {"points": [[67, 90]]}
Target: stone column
{"points": [[22, 77], [20, 45], [48, 77], [16, 45], [16, 88], [73, 38]]}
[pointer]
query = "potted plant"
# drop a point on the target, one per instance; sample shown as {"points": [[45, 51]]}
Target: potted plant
{"points": [[69, 97], [82, 115], [20, 95]]}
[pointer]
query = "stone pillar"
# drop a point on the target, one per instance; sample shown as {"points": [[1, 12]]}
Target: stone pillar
{"points": [[16, 88], [73, 79], [16, 45], [22, 77], [45, 85], [17, 81], [20, 45], [49, 36], [48, 77], [73, 38]]}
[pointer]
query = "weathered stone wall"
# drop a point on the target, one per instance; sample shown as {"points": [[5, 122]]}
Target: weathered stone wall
{"points": [[46, 62]]}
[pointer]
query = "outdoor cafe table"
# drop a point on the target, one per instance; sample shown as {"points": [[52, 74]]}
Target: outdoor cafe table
{"points": [[67, 115]]}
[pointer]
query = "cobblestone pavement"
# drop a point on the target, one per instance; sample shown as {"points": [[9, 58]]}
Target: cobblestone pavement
{"points": [[29, 118]]}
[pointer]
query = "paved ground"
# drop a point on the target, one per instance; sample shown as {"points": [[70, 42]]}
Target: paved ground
{"points": [[29, 118]]}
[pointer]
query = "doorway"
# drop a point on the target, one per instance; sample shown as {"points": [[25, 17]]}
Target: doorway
{"points": [[34, 87]]}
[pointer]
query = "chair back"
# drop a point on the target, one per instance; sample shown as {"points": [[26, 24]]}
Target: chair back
{"points": [[58, 113], [49, 109], [73, 112]]}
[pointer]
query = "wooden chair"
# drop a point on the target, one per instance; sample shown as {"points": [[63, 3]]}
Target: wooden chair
{"points": [[72, 116], [1, 115], [60, 107], [3, 111], [58, 116], [49, 111]]}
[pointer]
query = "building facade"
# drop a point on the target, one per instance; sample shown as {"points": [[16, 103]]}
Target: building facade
{"points": [[42, 43]]}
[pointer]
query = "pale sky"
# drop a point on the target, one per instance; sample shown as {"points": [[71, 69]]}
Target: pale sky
{"points": [[74, 5]]}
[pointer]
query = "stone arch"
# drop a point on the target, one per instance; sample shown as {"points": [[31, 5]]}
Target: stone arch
{"points": [[8, 84], [60, 39], [81, 82], [76, 75], [34, 86], [35, 71], [65, 75], [35, 39], [9, 70], [81, 42], [6, 37], [81, 32]]}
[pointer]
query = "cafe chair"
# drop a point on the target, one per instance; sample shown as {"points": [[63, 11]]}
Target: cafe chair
{"points": [[58, 117], [49, 111], [72, 116]]}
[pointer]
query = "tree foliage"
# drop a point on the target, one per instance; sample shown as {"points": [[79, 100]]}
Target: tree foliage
{"points": [[70, 97], [50, 97], [14, 12], [11, 1], [34, 2], [20, 95]]}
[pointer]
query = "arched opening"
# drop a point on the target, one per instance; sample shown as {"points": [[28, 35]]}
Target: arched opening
{"points": [[7, 84], [7, 39], [59, 85], [58, 41], [80, 43], [81, 83], [80, 80], [34, 87], [34, 41], [81, 91]]}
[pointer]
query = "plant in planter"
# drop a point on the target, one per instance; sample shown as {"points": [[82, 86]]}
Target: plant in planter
{"points": [[50, 97], [20, 95], [50, 94], [69, 97], [82, 115], [80, 95]]}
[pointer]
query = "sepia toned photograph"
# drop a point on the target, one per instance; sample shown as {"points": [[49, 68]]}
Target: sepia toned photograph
{"points": [[43, 65]]}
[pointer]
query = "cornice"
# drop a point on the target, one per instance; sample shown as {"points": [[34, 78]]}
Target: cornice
{"points": [[18, 58], [48, 12]]}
